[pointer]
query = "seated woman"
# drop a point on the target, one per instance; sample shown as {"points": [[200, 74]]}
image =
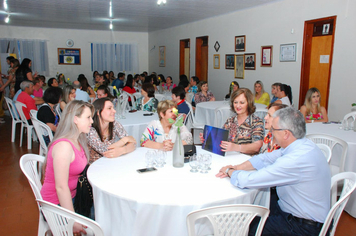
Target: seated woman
{"points": [[46, 113], [147, 102], [52, 82], [67, 157], [68, 96], [311, 109], [268, 145], [62, 80], [107, 137], [284, 94], [129, 87], [85, 85], [161, 134], [246, 129], [203, 95], [232, 88], [261, 96], [194, 83], [169, 85]]}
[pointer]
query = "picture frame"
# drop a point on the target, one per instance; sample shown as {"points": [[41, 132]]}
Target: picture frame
{"points": [[216, 61], [288, 52], [229, 61], [250, 61], [239, 66], [69, 56], [162, 56], [266, 56], [240, 43]]}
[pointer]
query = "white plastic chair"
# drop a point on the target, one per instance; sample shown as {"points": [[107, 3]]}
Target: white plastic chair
{"points": [[41, 130], [229, 219], [160, 97], [137, 95], [111, 89], [24, 124], [58, 110], [61, 220], [192, 124], [189, 97], [331, 142], [349, 185], [221, 115], [325, 149], [132, 97], [123, 99], [31, 165], [14, 116], [350, 116]]}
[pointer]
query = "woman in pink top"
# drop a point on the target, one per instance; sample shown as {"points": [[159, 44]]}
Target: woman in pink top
{"points": [[67, 156]]}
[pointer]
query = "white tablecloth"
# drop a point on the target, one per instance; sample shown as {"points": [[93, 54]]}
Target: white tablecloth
{"points": [[205, 111], [135, 123], [350, 162], [130, 204]]}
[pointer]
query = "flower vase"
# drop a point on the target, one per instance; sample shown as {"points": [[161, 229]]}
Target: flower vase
{"points": [[118, 109], [178, 151]]}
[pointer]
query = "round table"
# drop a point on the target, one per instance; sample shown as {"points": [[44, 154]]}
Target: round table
{"points": [[157, 203], [205, 111], [350, 161], [135, 123]]}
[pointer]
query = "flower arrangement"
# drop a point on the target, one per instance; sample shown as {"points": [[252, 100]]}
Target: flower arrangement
{"points": [[69, 82], [178, 123], [117, 92]]}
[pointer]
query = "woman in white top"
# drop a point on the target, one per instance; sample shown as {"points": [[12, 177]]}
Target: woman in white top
{"points": [[161, 134]]}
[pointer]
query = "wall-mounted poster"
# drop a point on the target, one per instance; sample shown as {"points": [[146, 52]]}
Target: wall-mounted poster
{"points": [[162, 56], [216, 61], [239, 66], [288, 52], [266, 56], [250, 59], [240, 43], [69, 56], [229, 61]]}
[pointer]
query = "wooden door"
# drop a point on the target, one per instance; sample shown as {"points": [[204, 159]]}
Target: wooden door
{"points": [[201, 58], [184, 57], [317, 57]]}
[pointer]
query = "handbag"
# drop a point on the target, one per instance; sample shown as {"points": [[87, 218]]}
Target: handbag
{"points": [[84, 198], [189, 150]]}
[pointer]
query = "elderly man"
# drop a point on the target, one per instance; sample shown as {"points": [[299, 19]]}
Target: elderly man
{"points": [[25, 98], [300, 172], [79, 93]]}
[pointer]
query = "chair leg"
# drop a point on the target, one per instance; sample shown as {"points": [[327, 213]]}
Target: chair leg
{"points": [[13, 131], [21, 136], [29, 137]]}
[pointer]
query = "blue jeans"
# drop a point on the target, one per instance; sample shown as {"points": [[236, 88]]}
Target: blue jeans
{"points": [[283, 224]]}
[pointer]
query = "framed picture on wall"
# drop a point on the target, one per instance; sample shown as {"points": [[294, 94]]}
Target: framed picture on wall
{"points": [[250, 59], [288, 52], [239, 66], [229, 61], [240, 43], [266, 56], [69, 56], [162, 56], [216, 61]]}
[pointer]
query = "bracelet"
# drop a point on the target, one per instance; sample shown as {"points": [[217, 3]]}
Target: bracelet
{"points": [[227, 171]]}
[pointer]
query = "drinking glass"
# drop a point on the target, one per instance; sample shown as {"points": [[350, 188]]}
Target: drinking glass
{"points": [[204, 166], [150, 158], [159, 158], [193, 162], [200, 161], [208, 161], [345, 125]]}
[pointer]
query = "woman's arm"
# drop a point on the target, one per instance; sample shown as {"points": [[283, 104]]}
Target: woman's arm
{"points": [[303, 110], [52, 126], [63, 105], [29, 76], [91, 92], [249, 148], [325, 115]]}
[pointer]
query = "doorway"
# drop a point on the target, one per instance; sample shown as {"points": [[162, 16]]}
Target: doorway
{"points": [[201, 58], [317, 57], [184, 57]]}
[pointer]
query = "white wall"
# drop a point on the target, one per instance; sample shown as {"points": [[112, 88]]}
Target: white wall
{"points": [[82, 38], [270, 24]]}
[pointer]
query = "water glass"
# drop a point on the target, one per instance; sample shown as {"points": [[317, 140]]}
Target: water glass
{"points": [[193, 162], [200, 161], [208, 160], [345, 124], [149, 157], [159, 158], [204, 160]]}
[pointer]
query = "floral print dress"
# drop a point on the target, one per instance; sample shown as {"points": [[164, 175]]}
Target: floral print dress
{"points": [[151, 105]]}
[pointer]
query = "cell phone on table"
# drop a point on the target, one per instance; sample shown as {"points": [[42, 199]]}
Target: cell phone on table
{"points": [[148, 114], [145, 170]]}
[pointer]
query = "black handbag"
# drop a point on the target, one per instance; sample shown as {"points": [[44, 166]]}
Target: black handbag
{"points": [[189, 150], [84, 198]]}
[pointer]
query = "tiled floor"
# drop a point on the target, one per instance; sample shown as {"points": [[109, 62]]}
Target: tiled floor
{"points": [[19, 212]]}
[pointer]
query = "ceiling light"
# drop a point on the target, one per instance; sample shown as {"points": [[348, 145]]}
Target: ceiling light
{"points": [[110, 25], [5, 5], [7, 19], [110, 10], [159, 2]]}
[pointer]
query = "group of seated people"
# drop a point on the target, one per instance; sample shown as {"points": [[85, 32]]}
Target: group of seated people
{"points": [[87, 132]]}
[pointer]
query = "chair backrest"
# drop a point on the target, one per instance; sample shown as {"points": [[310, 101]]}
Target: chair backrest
{"points": [[58, 110], [331, 141], [325, 149], [19, 107], [30, 165], [333, 217], [111, 89], [12, 109], [33, 113], [160, 97], [221, 115], [61, 220], [123, 99], [137, 95], [132, 97], [229, 219], [189, 97], [42, 130], [350, 116], [189, 119]]}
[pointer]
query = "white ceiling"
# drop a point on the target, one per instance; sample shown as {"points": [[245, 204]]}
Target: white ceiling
{"points": [[128, 15]]}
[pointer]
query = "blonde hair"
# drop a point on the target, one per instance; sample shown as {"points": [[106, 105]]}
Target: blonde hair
{"points": [[68, 129], [260, 83], [308, 98], [163, 106]]}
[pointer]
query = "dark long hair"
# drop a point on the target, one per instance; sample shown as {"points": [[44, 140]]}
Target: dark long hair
{"points": [[99, 105], [129, 81]]}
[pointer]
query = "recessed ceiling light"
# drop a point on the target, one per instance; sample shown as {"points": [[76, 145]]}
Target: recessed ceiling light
{"points": [[7, 19], [5, 5]]}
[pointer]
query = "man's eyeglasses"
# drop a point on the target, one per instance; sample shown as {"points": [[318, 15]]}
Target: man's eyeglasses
{"points": [[273, 129]]}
